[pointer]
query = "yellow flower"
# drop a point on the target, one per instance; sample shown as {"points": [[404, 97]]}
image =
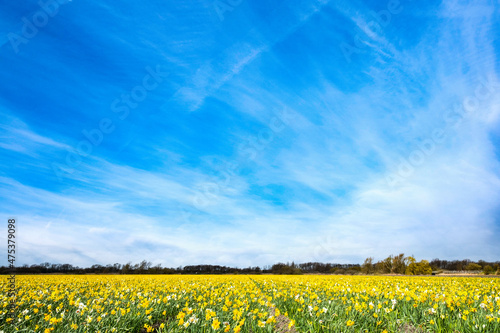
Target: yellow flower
{"points": [[123, 298], [216, 324]]}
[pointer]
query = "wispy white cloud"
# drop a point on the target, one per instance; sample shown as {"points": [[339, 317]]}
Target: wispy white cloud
{"points": [[17, 136], [316, 188]]}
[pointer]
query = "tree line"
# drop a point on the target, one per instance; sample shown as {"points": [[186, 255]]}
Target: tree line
{"points": [[399, 264], [393, 264], [144, 267]]}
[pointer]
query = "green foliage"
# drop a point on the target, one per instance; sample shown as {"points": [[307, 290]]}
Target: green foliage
{"points": [[488, 270], [419, 268], [473, 267], [410, 260]]}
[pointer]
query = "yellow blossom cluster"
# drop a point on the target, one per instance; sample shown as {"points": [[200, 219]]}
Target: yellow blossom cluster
{"points": [[259, 303]]}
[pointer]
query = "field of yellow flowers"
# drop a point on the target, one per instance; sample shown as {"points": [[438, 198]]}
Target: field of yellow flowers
{"points": [[232, 303]]}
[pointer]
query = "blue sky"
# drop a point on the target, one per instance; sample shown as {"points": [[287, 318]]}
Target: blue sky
{"points": [[247, 132]]}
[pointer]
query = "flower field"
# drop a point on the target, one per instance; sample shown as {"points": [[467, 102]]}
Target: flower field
{"points": [[262, 303]]}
